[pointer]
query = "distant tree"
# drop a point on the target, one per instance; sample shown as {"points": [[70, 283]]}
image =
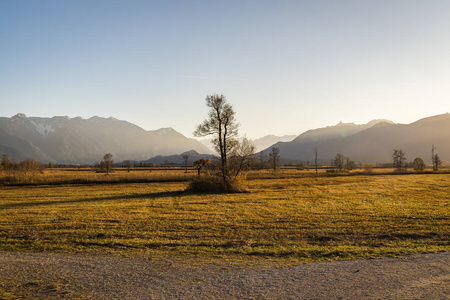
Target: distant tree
{"points": [[349, 164], [432, 157], [436, 161], [6, 163], [315, 158], [107, 162], [399, 159], [166, 163], [339, 161], [242, 156], [262, 162], [368, 169], [200, 163], [128, 165], [221, 123], [418, 164], [186, 159], [29, 168], [274, 158]]}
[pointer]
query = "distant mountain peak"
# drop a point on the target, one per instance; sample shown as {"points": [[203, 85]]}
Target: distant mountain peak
{"points": [[190, 152], [61, 118], [377, 121], [164, 131], [269, 140], [339, 130], [342, 124], [19, 116], [95, 119], [167, 129], [382, 124], [369, 124]]}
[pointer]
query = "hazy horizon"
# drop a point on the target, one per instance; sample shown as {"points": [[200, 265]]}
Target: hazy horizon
{"points": [[286, 67]]}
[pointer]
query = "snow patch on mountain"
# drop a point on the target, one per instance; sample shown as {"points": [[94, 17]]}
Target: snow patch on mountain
{"points": [[43, 129]]}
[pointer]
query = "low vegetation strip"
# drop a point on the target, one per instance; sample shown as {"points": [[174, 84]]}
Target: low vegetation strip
{"points": [[89, 176], [297, 218], [66, 176]]}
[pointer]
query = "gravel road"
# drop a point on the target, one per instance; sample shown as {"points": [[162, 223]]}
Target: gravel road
{"points": [[53, 275]]}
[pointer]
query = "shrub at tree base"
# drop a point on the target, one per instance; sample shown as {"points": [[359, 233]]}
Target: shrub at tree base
{"points": [[216, 184]]}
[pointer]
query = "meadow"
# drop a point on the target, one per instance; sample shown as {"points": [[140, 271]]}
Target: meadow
{"points": [[288, 215]]}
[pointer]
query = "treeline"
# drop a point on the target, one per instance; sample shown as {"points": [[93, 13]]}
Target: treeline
{"points": [[399, 161], [25, 171]]}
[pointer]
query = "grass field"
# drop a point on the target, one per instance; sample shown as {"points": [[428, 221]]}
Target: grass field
{"points": [[56, 176], [300, 218]]}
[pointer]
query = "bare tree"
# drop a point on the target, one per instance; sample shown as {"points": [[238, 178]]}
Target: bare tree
{"points": [[339, 161], [128, 165], [221, 123], [186, 159], [399, 159], [418, 164], [262, 162], [242, 155], [6, 163], [29, 168], [432, 157], [200, 163], [274, 158], [436, 161], [315, 158], [350, 164], [107, 162]]}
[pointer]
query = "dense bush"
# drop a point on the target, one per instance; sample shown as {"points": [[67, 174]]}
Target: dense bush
{"points": [[214, 183]]}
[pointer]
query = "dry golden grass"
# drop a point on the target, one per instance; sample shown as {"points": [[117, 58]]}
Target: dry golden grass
{"points": [[88, 175], [300, 218], [121, 175]]}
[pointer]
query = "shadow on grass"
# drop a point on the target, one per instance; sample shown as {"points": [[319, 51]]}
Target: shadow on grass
{"points": [[158, 195]]}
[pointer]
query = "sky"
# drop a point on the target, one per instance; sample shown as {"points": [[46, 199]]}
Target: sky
{"points": [[285, 66]]}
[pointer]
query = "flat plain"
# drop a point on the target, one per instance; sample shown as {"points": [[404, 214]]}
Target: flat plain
{"points": [[299, 218], [81, 235]]}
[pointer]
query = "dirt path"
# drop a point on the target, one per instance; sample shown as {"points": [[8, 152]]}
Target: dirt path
{"points": [[51, 275]]}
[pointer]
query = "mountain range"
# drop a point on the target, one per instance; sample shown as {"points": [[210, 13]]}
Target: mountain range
{"points": [[178, 159], [67, 140], [260, 144], [84, 141], [373, 142]]}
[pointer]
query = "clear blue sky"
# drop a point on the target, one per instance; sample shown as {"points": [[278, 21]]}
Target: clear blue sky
{"points": [[286, 66]]}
